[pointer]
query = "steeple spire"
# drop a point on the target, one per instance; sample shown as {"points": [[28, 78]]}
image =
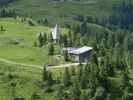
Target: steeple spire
{"points": [[56, 33]]}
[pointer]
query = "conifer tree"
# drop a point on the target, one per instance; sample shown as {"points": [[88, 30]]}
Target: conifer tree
{"points": [[66, 57], [124, 80], [67, 78], [40, 40], [50, 79], [45, 74], [60, 93], [2, 28], [13, 88], [44, 38], [65, 40], [51, 49], [100, 94], [84, 81], [80, 71], [73, 70], [76, 92]]}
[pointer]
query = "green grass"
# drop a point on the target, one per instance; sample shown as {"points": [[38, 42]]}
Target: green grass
{"points": [[25, 52], [24, 76], [27, 79]]}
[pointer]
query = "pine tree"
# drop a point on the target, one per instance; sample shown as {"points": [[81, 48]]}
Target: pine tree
{"points": [[66, 57], [76, 92], [50, 79], [50, 38], [94, 59], [124, 80], [51, 49], [70, 39], [100, 94], [60, 93], [109, 66], [40, 40], [45, 74], [44, 38], [67, 77], [80, 71], [65, 41], [2, 28], [91, 93], [84, 81], [103, 78], [13, 87], [45, 22], [83, 27], [73, 71]]}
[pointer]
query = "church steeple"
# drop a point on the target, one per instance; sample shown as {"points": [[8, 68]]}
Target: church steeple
{"points": [[56, 33]]}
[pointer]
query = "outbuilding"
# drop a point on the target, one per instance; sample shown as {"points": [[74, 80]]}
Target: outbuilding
{"points": [[80, 55]]}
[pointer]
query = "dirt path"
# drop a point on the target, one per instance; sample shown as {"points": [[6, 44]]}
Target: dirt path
{"points": [[20, 64], [63, 66], [38, 66]]}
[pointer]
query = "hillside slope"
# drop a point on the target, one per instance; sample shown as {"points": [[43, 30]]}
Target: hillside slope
{"points": [[63, 12]]}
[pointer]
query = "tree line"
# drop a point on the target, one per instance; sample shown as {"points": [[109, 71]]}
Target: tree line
{"points": [[5, 12]]}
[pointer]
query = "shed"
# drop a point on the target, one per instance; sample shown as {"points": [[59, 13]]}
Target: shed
{"points": [[81, 54]]}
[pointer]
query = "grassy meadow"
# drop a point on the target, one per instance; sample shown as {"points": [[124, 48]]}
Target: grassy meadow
{"points": [[25, 51], [27, 82]]}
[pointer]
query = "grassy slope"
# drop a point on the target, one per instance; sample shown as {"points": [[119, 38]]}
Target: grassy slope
{"points": [[25, 52], [62, 12], [27, 79], [26, 82]]}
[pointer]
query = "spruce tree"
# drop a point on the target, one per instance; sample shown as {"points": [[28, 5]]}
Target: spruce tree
{"points": [[76, 92], [65, 40], [66, 57], [124, 80], [100, 94], [60, 93], [45, 74], [67, 77], [51, 49], [13, 88], [50, 79], [40, 40], [80, 71], [2, 28], [84, 81], [44, 38]]}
